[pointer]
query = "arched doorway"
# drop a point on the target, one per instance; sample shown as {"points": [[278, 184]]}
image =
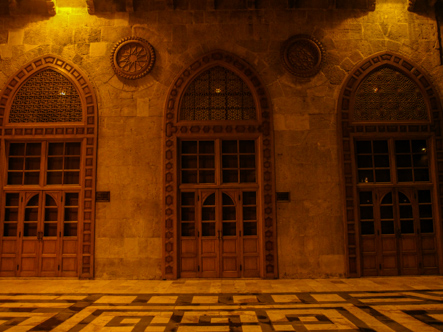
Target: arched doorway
{"points": [[48, 119], [219, 173], [390, 124]]}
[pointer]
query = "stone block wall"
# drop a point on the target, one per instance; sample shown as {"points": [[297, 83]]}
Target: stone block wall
{"points": [[311, 240]]}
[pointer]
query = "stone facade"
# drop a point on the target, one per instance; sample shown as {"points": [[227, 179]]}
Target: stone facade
{"points": [[310, 227]]}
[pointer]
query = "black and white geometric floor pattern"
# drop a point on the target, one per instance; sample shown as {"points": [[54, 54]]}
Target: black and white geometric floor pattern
{"points": [[321, 311]]}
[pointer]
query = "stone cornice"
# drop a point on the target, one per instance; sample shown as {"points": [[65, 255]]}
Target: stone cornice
{"points": [[44, 7]]}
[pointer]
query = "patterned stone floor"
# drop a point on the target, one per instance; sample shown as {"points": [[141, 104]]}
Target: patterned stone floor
{"points": [[367, 304]]}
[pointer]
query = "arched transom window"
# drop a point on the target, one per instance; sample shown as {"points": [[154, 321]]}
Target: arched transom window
{"points": [[388, 95], [48, 96], [218, 94]]}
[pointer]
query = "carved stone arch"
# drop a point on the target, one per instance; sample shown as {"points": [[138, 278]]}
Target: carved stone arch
{"points": [[84, 131], [261, 127], [348, 128]]}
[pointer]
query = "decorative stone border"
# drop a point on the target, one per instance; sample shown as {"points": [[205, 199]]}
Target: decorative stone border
{"points": [[132, 58]]}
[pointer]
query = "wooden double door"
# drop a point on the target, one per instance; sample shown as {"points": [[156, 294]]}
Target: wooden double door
{"points": [[39, 236], [219, 233], [397, 231]]}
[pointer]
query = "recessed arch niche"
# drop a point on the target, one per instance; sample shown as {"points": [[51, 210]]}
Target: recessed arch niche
{"points": [[389, 126], [241, 129], [48, 122]]}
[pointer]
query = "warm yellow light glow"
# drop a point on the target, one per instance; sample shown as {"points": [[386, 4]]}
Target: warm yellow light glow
{"points": [[218, 90]]}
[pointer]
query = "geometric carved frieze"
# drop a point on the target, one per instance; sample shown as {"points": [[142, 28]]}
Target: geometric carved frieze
{"points": [[302, 55], [132, 58]]}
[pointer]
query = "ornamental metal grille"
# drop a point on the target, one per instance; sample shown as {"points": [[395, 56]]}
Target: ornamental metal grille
{"points": [[218, 94], [47, 96], [387, 95]]}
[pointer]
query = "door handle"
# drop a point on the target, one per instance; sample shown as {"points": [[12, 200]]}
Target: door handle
{"points": [[39, 236]]}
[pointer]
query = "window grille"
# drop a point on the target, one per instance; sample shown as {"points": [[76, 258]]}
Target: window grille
{"points": [[218, 94], [388, 95], [47, 96]]}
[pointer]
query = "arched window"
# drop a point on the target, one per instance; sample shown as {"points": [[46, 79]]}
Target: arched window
{"points": [[219, 182], [389, 121], [48, 124]]}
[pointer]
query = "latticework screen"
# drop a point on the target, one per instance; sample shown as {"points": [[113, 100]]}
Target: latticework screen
{"points": [[47, 96], [218, 94], [387, 95]]}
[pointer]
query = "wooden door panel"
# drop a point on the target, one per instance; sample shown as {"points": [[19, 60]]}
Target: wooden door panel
{"points": [[48, 266], [69, 266], [69, 247], [369, 264], [388, 244], [368, 244], [49, 247], [229, 246], [8, 266], [428, 242], [208, 247], [9, 246], [188, 247], [429, 261], [250, 246], [409, 263], [29, 247], [251, 266], [188, 267], [230, 267], [29, 266], [389, 266], [210, 267], [408, 243]]}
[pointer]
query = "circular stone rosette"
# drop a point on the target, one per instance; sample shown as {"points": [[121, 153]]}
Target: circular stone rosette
{"points": [[302, 55], [132, 58]]}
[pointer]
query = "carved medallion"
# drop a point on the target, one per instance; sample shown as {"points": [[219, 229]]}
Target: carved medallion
{"points": [[302, 55], [132, 58]]}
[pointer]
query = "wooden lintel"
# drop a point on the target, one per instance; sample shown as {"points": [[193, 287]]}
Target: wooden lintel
{"points": [[91, 6]]}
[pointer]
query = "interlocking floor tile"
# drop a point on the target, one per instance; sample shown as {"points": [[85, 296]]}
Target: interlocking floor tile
{"points": [[354, 307]]}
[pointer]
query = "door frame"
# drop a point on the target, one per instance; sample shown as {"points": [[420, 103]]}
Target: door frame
{"points": [[348, 130], [261, 128], [84, 131]]}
